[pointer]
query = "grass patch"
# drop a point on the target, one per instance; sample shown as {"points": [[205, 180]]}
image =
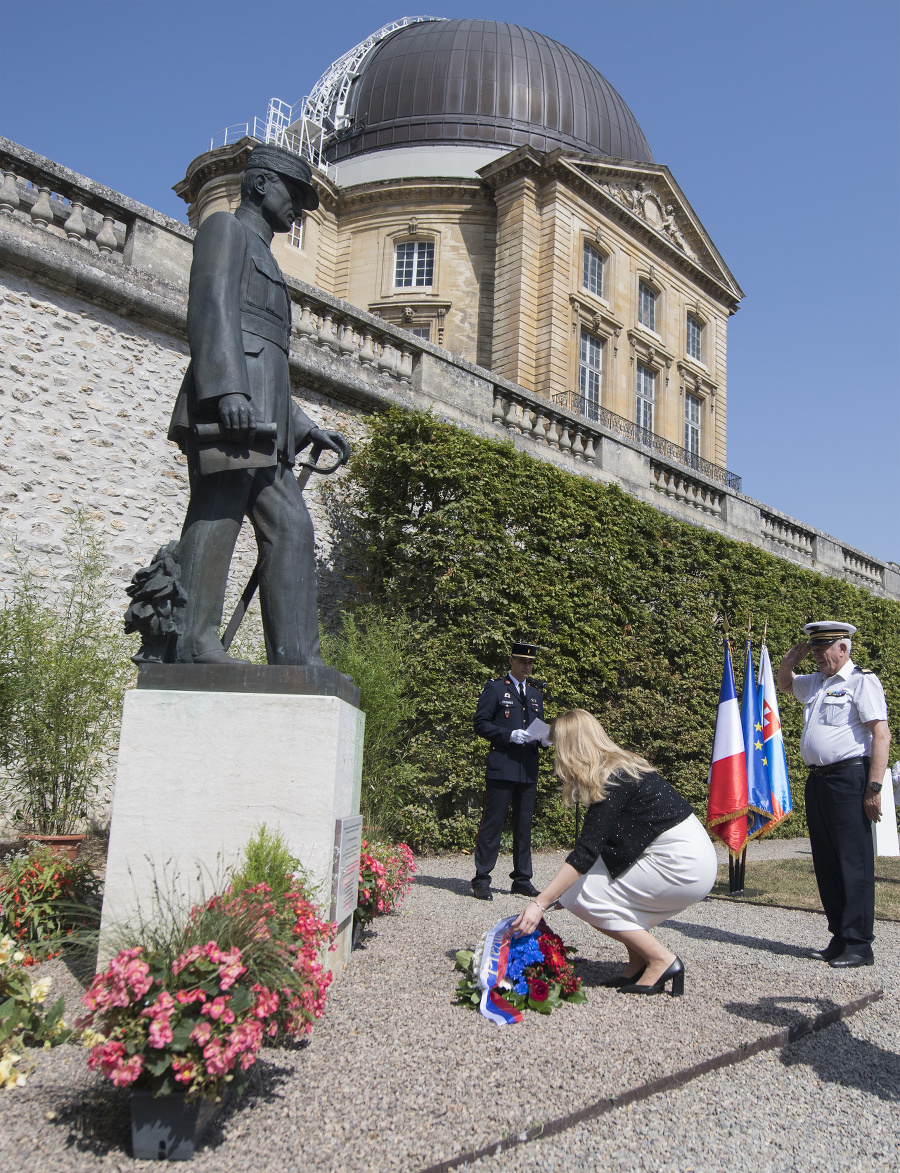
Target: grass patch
{"points": [[792, 883]]}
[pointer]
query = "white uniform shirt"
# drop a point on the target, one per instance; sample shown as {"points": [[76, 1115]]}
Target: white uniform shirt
{"points": [[835, 712]]}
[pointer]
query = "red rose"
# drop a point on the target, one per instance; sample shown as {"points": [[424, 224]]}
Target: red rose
{"points": [[538, 990]]}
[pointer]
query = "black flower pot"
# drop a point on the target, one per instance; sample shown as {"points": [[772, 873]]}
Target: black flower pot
{"points": [[167, 1128]]}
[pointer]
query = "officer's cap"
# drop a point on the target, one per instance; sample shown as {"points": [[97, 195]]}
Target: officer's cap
{"points": [[528, 651], [828, 631], [289, 166]]}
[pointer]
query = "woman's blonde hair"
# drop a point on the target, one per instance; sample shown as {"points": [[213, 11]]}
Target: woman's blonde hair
{"points": [[586, 756]]}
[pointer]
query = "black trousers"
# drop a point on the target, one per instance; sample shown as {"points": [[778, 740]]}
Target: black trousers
{"points": [[840, 836], [487, 845], [273, 501]]}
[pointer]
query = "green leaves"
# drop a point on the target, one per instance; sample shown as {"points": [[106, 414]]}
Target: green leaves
{"points": [[476, 543]]}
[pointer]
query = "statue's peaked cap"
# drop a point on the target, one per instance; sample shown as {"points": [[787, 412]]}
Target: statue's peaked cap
{"points": [[289, 166]]}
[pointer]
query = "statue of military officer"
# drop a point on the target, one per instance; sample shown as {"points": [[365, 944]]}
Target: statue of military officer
{"points": [[238, 425]]}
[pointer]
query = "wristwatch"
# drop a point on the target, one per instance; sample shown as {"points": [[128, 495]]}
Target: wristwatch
{"points": [[875, 787]]}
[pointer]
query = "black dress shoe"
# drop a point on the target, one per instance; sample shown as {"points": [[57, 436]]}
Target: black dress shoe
{"points": [[480, 892], [674, 974], [835, 949], [615, 983], [849, 960], [524, 888]]}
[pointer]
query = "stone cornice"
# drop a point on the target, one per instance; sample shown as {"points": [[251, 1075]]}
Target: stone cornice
{"points": [[414, 189]]}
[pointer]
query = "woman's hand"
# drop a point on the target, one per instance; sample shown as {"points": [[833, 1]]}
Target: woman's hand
{"points": [[528, 919]]}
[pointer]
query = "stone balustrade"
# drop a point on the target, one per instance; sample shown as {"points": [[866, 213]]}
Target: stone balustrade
{"points": [[65, 209], [538, 419], [783, 533], [346, 335], [862, 570], [687, 490]]}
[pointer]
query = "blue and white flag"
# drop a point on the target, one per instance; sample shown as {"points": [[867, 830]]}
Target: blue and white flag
{"points": [[773, 745]]}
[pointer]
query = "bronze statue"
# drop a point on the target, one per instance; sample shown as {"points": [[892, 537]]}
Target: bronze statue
{"points": [[238, 425]]}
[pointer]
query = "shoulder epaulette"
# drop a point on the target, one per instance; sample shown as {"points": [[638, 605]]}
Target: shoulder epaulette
{"points": [[864, 671]]}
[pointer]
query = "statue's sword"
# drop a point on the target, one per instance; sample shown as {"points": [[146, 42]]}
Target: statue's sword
{"points": [[307, 468]]}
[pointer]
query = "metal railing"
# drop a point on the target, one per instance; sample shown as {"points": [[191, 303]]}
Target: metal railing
{"points": [[646, 439]]}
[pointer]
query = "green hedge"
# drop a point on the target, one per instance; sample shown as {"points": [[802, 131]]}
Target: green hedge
{"points": [[479, 543]]}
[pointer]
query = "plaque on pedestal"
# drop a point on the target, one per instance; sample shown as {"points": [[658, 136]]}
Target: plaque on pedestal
{"points": [[347, 845]]}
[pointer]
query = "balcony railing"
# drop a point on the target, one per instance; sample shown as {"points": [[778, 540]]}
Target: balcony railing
{"points": [[646, 439]]}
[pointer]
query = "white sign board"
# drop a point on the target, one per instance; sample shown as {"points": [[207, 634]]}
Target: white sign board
{"points": [[347, 845]]}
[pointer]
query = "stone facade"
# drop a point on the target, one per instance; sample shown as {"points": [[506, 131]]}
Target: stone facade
{"points": [[508, 289], [94, 347]]}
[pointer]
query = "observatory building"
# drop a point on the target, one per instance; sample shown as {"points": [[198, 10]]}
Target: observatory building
{"points": [[487, 189]]}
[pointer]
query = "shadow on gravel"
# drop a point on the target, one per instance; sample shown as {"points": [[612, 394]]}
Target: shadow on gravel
{"points": [[592, 973], [448, 883], [845, 1060], [99, 1123], [705, 933]]}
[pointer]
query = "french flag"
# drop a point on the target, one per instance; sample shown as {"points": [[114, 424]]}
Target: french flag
{"points": [[494, 1006], [726, 812]]}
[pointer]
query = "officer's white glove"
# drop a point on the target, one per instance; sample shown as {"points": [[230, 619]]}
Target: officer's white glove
{"points": [[545, 743], [518, 737]]}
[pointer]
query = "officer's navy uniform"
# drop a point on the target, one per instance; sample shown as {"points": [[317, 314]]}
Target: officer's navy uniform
{"points": [[512, 773], [835, 745]]}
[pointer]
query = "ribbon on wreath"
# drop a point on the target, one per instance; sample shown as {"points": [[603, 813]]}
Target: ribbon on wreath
{"points": [[493, 970]]}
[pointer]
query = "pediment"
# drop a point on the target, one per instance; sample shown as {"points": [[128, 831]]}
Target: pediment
{"points": [[648, 195]]}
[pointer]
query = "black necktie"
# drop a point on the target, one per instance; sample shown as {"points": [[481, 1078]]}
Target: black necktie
{"points": [[522, 694]]}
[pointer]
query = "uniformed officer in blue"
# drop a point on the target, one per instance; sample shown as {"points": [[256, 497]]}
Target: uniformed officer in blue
{"points": [[845, 744], [239, 329], [505, 710]]}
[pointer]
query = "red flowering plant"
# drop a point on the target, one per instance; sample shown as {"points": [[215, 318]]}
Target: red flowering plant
{"points": [[385, 876], [189, 1009], [43, 899]]}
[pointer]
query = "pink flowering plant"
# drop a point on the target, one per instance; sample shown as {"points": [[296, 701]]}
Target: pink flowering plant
{"points": [[190, 1008], [385, 876]]}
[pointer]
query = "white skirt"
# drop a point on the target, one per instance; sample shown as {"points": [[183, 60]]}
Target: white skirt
{"points": [[676, 870]]}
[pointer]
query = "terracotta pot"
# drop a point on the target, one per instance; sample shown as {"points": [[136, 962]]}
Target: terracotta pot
{"points": [[62, 846]]}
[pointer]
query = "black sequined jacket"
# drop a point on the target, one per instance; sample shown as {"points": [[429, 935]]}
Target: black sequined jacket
{"points": [[634, 812]]}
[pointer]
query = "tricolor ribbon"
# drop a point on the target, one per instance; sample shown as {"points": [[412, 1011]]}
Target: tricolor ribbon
{"points": [[492, 970]]}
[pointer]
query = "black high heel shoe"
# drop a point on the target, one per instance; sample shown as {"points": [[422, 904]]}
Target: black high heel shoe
{"points": [[675, 974], [618, 981]]}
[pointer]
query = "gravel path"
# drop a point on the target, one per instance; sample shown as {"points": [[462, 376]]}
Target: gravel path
{"points": [[395, 1077]]}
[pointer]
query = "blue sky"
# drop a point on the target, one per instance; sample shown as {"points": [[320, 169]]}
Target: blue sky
{"points": [[780, 121]]}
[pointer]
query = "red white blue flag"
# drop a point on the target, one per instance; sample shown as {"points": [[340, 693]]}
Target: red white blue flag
{"points": [[726, 812], [493, 970]]}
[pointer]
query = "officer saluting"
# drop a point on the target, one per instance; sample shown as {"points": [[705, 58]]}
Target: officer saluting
{"points": [[505, 710], [845, 744]]}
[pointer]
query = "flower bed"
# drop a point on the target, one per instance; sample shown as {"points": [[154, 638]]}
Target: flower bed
{"points": [[385, 876], [23, 1020], [191, 1012], [43, 897]]}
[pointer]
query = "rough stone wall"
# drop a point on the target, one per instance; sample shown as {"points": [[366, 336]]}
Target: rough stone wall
{"points": [[85, 399]]}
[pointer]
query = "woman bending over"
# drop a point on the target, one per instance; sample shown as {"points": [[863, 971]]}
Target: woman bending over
{"points": [[642, 855]]}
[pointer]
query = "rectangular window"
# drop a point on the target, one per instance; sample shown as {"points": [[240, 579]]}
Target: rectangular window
{"points": [[646, 394], [296, 237], [646, 306], [692, 424], [421, 332], [592, 270], [414, 264], [694, 339], [590, 375]]}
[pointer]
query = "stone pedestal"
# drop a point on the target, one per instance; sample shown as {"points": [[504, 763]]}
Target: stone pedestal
{"points": [[206, 754]]}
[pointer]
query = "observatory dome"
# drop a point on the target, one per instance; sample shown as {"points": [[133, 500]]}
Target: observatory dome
{"points": [[482, 83]]}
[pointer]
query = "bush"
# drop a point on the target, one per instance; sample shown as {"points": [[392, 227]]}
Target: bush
{"points": [[44, 898], [478, 543], [378, 650], [64, 665], [267, 860], [385, 876]]}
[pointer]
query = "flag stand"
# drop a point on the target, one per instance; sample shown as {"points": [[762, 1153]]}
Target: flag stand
{"points": [[736, 870]]}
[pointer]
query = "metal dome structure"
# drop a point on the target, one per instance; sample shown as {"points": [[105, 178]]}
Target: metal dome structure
{"points": [[481, 83]]}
